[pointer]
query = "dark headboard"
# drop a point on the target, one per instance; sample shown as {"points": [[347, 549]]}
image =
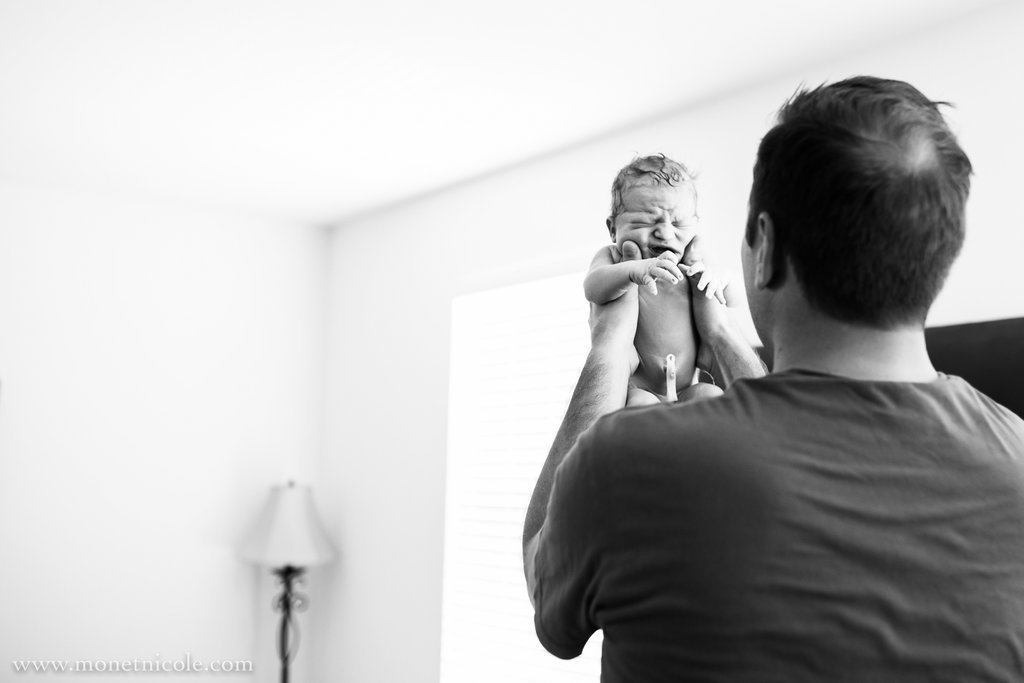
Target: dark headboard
{"points": [[989, 355]]}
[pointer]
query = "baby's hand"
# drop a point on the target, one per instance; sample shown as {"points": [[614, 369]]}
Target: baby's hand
{"points": [[647, 272], [712, 281]]}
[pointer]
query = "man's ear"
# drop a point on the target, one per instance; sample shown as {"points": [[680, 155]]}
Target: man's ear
{"points": [[767, 269], [611, 227]]}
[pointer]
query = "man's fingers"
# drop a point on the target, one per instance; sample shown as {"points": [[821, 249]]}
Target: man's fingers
{"points": [[630, 251], [692, 253]]}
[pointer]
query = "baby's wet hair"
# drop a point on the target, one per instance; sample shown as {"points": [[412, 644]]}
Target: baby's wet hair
{"points": [[656, 169]]}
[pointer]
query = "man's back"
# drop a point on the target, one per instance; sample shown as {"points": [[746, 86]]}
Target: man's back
{"points": [[801, 527]]}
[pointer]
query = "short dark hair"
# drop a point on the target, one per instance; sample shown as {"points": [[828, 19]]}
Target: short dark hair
{"points": [[657, 169], [866, 187]]}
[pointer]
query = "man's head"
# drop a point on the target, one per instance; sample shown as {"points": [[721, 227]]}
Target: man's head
{"points": [[863, 186], [654, 203]]}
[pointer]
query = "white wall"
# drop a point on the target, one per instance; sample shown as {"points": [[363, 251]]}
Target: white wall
{"points": [[160, 369], [394, 273]]}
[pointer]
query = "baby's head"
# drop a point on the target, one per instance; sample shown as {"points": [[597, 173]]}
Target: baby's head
{"points": [[654, 203]]}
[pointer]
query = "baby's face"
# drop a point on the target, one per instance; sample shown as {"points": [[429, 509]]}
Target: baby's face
{"points": [[658, 218]]}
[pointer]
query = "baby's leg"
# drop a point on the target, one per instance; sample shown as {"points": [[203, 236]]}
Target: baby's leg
{"points": [[635, 396], [691, 392], [699, 392]]}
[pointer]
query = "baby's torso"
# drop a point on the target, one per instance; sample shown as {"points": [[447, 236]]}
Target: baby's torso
{"points": [[665, 326]]}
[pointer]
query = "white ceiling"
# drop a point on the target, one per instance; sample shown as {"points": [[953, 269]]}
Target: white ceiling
{"points": [[316, 111]]}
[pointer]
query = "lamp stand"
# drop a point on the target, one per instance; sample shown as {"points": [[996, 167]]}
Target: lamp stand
{"points": [[288, 601]]}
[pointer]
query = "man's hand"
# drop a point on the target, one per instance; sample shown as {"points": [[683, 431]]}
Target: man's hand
{"points": [[722, 344], [712, 319]]}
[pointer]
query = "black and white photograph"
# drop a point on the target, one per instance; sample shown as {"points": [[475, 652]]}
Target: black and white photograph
{"points": [[536, 342]]}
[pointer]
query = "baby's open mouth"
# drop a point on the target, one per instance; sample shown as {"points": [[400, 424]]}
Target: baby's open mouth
{"points": [[656, 250]]}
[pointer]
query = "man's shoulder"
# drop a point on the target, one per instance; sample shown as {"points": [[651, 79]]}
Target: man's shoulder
{"points": [[665, 417], [639, 454], [708, 425], [981, 409]]}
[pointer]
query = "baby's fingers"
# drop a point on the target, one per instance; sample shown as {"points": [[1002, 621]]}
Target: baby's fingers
{"points": [[715, 287], [670, 266], [694, 269], [661, 273], [646, 280], [717, 290]]}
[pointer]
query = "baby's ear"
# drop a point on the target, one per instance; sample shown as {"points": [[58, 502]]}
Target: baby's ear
{"points": [[611, 227]]}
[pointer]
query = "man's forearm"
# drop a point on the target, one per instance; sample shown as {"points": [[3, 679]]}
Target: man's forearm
{"points": [[600, 390], [733, 356]]}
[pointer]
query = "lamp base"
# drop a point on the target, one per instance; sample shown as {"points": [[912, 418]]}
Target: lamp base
{"points": [[287, 602]]}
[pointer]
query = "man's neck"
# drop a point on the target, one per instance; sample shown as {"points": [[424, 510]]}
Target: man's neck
{"points": [[812, 341]]}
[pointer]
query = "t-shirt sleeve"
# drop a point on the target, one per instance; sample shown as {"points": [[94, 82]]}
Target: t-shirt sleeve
{"points": [[566, 561]]}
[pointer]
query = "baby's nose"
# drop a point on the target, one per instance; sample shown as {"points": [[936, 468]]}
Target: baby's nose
{"points": [[663, 231]]}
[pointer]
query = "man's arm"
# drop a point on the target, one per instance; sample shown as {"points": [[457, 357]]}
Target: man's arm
{"points": [[600, 390], [723, 351], [722, 344]]}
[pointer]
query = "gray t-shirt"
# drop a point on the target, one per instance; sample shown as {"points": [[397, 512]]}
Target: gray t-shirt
{"points": [[801, 527]]}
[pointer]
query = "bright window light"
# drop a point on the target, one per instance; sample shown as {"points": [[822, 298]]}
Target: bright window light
{"points": [[516, 355]]}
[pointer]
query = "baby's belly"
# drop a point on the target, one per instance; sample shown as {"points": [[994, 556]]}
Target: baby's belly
{"points": [[664, 327], [650, 374]]}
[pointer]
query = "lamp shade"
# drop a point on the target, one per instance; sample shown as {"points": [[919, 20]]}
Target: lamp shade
{"points": [[288, 531]]}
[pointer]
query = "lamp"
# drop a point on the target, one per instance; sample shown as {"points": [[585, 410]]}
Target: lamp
{"points": [[288, 538]]}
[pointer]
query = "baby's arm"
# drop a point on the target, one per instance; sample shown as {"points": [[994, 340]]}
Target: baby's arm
{"points": [[611, 275], [608, 277]]}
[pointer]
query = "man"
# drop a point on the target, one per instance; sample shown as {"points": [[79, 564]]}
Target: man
{"points": [[852, 516]]}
